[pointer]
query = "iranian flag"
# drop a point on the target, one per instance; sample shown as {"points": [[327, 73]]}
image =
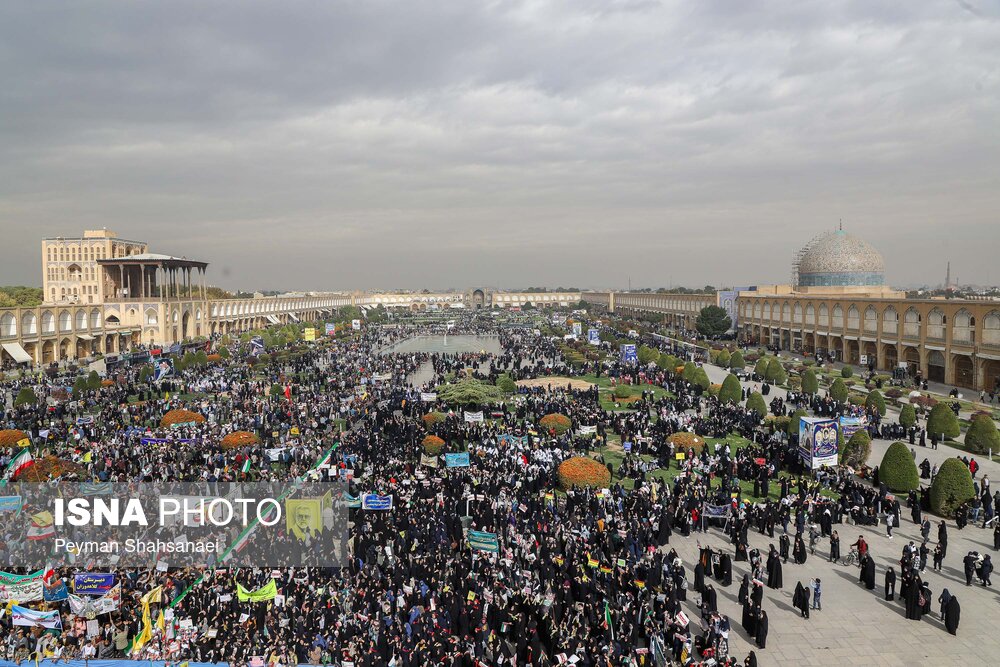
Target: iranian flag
{"points": [[246, 466], [22, 460]]}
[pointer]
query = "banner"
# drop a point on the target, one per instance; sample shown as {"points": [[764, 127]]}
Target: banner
{"points": [[95, 488], [577, 329], [274, 453], [10, 504], [163, 369], [21, 587], [483, 541], [94, 607], [352, 501], [851, 425], [35, 619], [628, 354], [474, 417], [428, 460], [457, 460], [262, 594], [330, 328], [373, 501], [508, 439], [93, 583], [593, 336], [428, 396], [356, 325], [587, 430], [818, 442], [717, 511], [304, 516], [55, 593], [309, 334]]}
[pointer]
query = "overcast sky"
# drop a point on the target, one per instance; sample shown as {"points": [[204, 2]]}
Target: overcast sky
{"points": [[330, 145]]}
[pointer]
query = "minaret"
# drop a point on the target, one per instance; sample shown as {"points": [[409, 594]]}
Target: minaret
{"points": [[947, 277]]}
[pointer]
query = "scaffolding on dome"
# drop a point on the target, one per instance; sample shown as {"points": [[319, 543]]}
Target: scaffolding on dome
{"points": [[802, 253]]}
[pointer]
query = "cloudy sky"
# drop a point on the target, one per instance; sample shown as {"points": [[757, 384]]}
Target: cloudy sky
{"points": [[336, 145]]}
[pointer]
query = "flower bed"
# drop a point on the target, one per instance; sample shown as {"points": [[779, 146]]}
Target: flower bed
{"points": [[10, 437], [555, 423], [685, 440], [433, 445], [432, 418], [238, 439], [48, 468], [180, 417], [582, 471], [213, 358]]}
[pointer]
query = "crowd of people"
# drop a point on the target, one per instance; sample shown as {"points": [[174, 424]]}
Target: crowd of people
{"points": [[579, 575]]}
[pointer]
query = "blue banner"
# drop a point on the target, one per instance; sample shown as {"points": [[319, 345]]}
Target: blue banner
{"points": [[629, 355], [93, 583], [373, 501], [10, 504], [166, 441], [483, 541], [593, 336], [457, 460], [56, 593]]}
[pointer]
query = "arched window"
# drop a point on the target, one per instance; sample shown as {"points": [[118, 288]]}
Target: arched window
{"points": [[65, 321], [797, 314], [48, 322], [29, 324], [786, 313], [8, 325], [963, 327], [936, 322], [824, 315], [810, 314], [890, 321], [81, 320], [853, 318], [871, 319], [838, 317], [991, 328], [911, 323]]}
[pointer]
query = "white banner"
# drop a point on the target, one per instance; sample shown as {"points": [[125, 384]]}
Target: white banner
{"points": [[428, 397], [35, 619], [27, 591], [94, 607], [587, 430], [474, 417], [274, 454]]}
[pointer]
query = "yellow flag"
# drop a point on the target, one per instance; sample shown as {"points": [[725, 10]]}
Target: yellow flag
{"points": [[161, 622], [153, 596], [88, 457]]}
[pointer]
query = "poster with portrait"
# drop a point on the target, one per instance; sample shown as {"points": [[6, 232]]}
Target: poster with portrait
{"points": [[304, 515], [818, 442]]}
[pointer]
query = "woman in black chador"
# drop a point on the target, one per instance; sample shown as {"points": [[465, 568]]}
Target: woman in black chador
{"points": [[890, 584], [773, 569], [952, 614]]}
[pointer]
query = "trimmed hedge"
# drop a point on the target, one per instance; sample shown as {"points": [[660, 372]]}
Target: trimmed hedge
{"points": [[907, 415], [731, 391], [875, 400], [838, 391], [982, 436], [951, 487], [775, 372], [857, 450], [897, 470], [736, 361], [756, 404], [943, 422], [810, 384], [793, 422]]}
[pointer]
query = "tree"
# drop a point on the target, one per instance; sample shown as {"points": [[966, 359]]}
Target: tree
{"points": [[775, 372], [857, 450], [897, 470], [713, 321], [224, 353], [25, 397], [723, 358], [760, 368], [469, 391], [506, 384], [810, 384], [942, 422], [982, 436], [647, 354], [793, 422], [736, 361], [701, 378], [756, 404], [907, 416], [875, 400], [668, 362], [689, 370], [951, 487], [93, 381], [731, 391], [838, 391], [846, 372]]}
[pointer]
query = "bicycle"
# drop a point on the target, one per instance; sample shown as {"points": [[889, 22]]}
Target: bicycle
{"points": [[853, 558]]}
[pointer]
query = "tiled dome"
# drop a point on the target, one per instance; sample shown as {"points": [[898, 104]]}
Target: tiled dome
{"points": [[839, 259]]}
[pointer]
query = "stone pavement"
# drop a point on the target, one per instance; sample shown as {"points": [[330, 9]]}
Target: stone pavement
{"points": [[857, 626]]}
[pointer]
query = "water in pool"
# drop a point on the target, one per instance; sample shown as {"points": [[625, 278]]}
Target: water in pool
{"points": [[453, 345]]}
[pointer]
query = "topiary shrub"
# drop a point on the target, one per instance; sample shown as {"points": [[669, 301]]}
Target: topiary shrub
{"points": [[224, 353], [556, 423], [731, 390], [810, 384], [582, 471], [277, 390], [907, 415], [723, 359], [846, 372], [760, 369], [875, 400], [93, 381], [79, 387], [25, 397], [180, 417], [668, 361], [838, 391], [793, 422], [506, 384], [942, 422], [690, 369], [775, 372], [238, 439], [951, 487], [982, 436], [756, 404], [736, 361], [684, 440], [432, 445], [701, 379], [897, 470], [857, 450], [621, 391]]}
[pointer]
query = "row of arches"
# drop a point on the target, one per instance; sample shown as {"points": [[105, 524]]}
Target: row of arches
{"points": [[49, 322]]}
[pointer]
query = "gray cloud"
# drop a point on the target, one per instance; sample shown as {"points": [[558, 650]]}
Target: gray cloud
{"points": [[346, 145]]}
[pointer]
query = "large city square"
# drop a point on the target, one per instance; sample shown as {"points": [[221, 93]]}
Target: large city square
{"points": [[519, 333]]}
